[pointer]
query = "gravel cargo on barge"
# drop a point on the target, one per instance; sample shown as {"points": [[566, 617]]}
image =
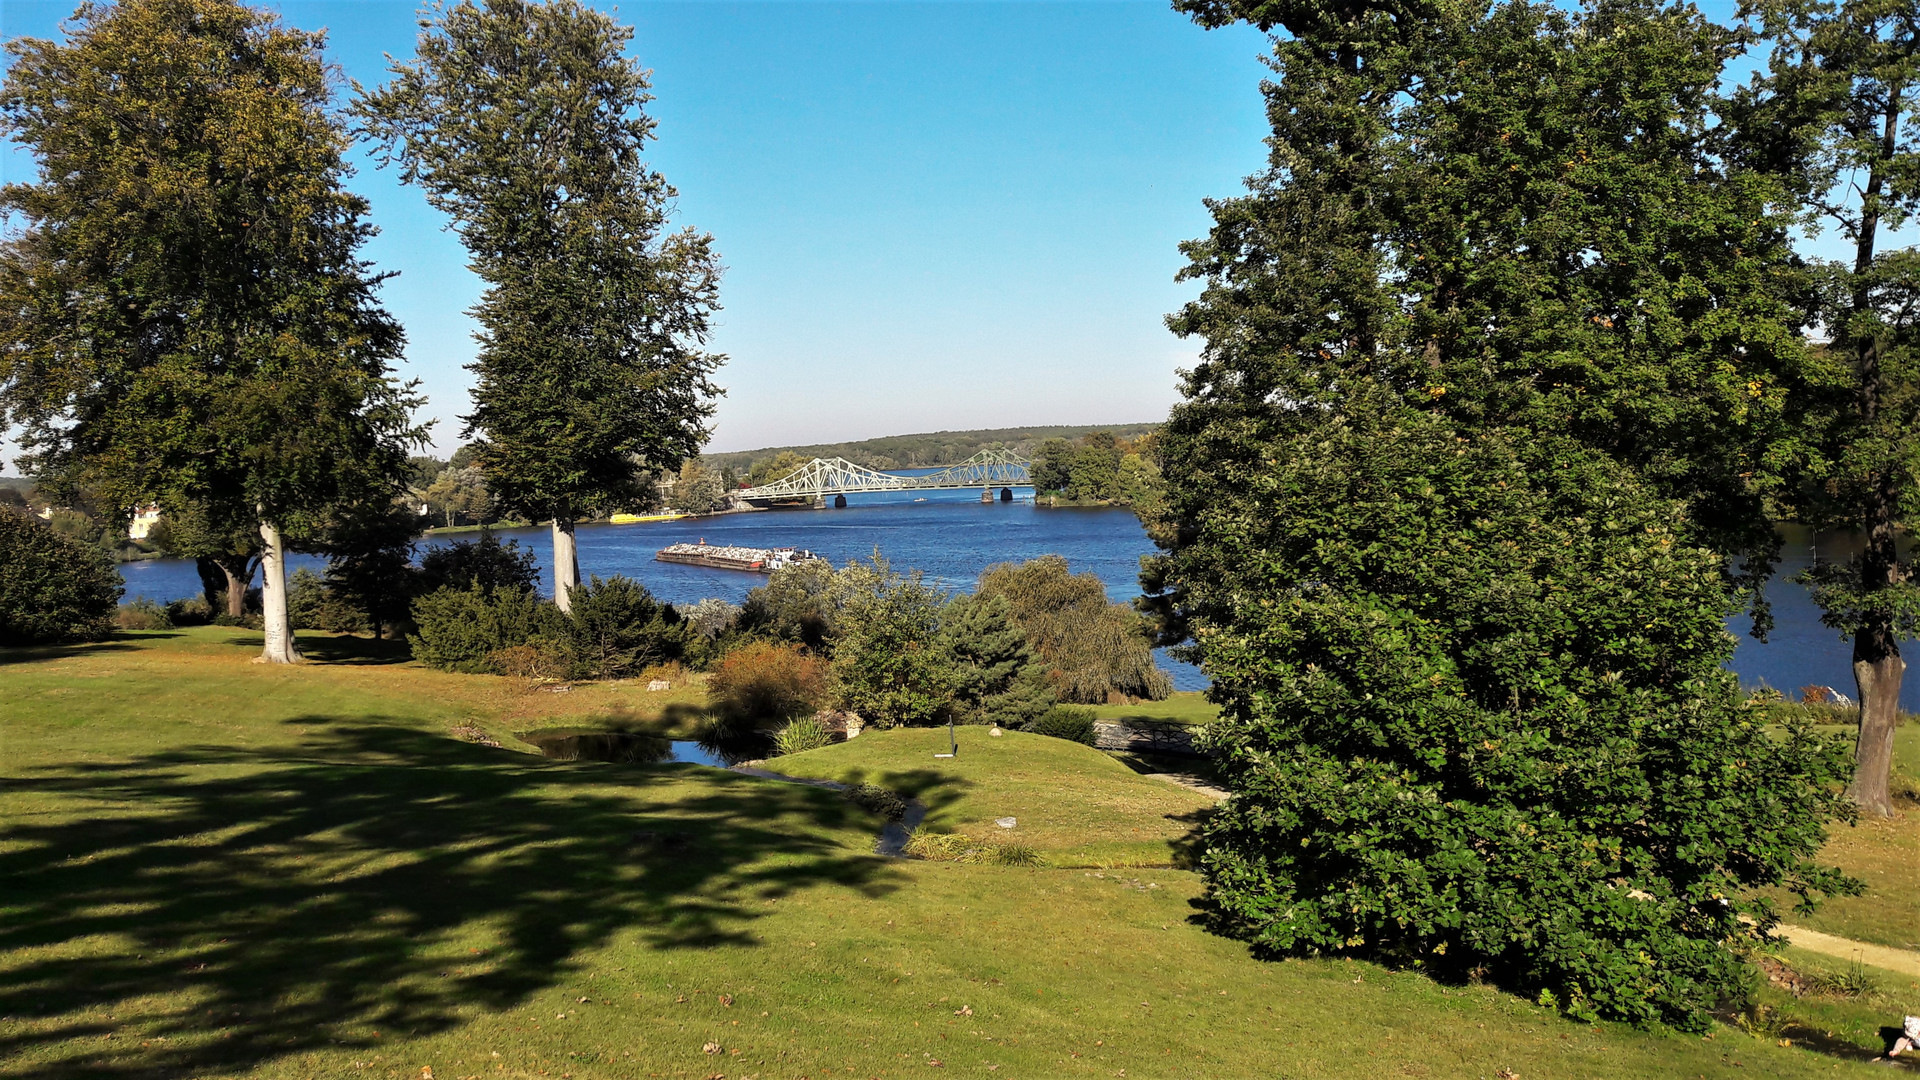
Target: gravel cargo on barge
{"points": [[731, 557]]}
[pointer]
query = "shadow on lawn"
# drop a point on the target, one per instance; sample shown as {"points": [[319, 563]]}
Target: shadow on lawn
{"points": [[34, 654], [252, 904]]}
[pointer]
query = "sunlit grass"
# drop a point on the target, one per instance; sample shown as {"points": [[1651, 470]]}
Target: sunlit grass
{"points": [[216, 869]]}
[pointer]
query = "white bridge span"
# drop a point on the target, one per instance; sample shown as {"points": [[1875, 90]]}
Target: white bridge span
{"points": [[825, 479]]}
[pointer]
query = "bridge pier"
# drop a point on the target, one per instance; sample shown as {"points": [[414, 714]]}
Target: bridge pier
{"points": [[1006, 494], [839, 502]]}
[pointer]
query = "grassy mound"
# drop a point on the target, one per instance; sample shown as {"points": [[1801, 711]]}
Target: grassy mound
{"points": [[215, 869], [1072, 804]]}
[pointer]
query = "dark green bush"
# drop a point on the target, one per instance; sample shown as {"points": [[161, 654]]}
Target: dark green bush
{"points": [[878, 800], [462, 629], [618, 628], [193, 611], [1094, 650], [314, 604], [1066, 722], [1476, 719], [142, 614], [52, 588], [489, 562]]}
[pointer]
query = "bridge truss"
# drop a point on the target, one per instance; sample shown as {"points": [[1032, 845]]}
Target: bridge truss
{"points": [[824, 478]]}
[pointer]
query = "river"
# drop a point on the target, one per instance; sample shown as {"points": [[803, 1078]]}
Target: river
{"points": [[951, 536]]}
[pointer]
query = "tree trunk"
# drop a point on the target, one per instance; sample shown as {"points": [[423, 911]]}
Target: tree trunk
{"points": [[566, 564], [1878, 671], [280, 647], [239, 574]]}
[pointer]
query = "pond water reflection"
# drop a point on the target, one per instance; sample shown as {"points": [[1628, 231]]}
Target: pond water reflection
{"points": [[641, 748]]}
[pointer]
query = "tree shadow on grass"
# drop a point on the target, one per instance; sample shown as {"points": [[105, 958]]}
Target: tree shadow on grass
{"points": [[36, 654], [250, 904], [349, 649]]}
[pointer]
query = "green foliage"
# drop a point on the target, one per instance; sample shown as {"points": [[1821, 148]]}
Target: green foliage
{"points": [[485, 562], [193, 611], [52, 589], [799, 736], [997, 678], [313, 604], [524, 123], [142, 614], [887, 663], [876, 799], [185, 312], [618, 628], [1093, 649], [762, 681], [1066, 722], [370, 568], [698, 490], [459, 494], [1498, 731], [461, 629], [799, 603]]}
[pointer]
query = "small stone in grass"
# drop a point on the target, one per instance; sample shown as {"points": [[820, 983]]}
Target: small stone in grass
{"points": [[711, 1048], [1006, 822]]}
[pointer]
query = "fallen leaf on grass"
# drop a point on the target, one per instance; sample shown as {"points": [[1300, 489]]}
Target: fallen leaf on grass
{"points": [[964, 1010], [711, 1048], [727, 1000]]}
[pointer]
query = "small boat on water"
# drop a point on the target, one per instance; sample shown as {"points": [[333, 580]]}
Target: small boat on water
{"points": [[734, 557], [635, 519]]}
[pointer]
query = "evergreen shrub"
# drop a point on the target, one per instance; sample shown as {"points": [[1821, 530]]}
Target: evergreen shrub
{"points": [[193, 611], [618, 628], [52, 588], [1066, 722], [462, 629]]}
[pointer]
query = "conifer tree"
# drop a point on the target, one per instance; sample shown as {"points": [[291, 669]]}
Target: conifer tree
{"points": [[525, 123], [185, 317]]}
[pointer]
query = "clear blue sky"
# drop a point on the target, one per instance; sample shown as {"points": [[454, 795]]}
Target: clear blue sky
{"points": [[933, 215]]}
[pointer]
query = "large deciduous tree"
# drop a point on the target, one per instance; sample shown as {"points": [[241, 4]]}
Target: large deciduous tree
{"points": [[1497, 369], [184, 317], [525, 123], [1837, 111]]}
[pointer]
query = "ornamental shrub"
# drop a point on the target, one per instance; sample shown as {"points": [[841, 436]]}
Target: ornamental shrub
{"points": [[1475, 718], [800, 736], [462, 629], [1066, 722], [618, 628], [1093, 649], [764, 681], [53, 589]]}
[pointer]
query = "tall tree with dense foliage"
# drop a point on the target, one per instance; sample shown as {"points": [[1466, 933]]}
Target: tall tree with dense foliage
{"points": [[185, 316], [1496, 367], [1838, 112], [525, 123], [52, 589]]}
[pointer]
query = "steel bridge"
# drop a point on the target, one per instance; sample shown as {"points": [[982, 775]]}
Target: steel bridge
{"points": [[830, 480]]}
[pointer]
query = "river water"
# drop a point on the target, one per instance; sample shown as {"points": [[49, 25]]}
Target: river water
{"points": [[951, 536]]}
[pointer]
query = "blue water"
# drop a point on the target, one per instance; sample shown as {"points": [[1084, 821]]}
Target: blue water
{"points": [[951, 537]]}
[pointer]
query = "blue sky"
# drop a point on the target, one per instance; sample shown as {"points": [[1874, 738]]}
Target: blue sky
{"points": [[934, 215]]}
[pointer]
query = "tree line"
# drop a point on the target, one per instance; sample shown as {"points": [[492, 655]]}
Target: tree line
{"points": [[187, 319], [1508, 366]]}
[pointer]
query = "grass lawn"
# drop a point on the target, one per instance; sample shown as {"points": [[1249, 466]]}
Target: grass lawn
{"points": [[1073, 804], [1184, 707], [1843, 1023], [215, 869], [1885, 855]]}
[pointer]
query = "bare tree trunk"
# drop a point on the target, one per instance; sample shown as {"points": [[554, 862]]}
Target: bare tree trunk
{"points": [[566, 564], [239, 572], [280, 647], [1878, 671]]}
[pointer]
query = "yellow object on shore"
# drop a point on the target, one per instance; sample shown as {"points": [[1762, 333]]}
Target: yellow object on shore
{"points": [[635, 519]]}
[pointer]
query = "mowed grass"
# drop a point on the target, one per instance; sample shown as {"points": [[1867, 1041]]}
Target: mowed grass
{"points": [[1073, 804], [1884, 854], [215, 869], [1183, 707]]}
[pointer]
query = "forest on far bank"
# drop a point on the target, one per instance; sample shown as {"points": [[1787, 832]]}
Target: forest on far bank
{"points": [[929, 448]]}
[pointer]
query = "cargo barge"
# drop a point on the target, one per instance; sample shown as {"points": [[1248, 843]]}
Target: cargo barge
{"points": [[732, 557]]}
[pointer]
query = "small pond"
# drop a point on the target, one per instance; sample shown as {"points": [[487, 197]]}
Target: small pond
{"points": [[640, 748]]}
